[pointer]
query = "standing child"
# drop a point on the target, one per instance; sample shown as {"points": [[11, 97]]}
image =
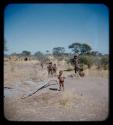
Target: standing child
{"points": [[61, 80], [77, 65], [54, 69], [42, 65], [50, 70]]}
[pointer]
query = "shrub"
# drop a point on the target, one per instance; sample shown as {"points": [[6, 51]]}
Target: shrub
{"points": [[86, 60], [102, 62]]}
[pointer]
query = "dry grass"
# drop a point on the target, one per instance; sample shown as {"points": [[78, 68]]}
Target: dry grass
{"points": [[22, 71], [66, 96], [31, 70], [98, 73], [67, 99], [55, 101]]}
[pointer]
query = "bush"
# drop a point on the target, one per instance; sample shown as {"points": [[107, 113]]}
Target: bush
{"points": [[102, 62], [86, 60], [59, 58]]}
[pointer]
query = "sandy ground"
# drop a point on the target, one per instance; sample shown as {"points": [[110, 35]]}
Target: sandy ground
{"points": [[84, 99]]}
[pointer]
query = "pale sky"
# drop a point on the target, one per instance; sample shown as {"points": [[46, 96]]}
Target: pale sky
{"points": [[41, 27]]}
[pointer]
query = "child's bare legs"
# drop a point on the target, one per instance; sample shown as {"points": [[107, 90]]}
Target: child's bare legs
{"points": [[59, 86], [63, 86]]}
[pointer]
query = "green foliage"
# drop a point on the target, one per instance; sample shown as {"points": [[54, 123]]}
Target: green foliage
{"points": [[58, 51], [104, 62], [26, 53], [40, 56], [80, 48], [76, 47], [85, 48], [86, 60]]}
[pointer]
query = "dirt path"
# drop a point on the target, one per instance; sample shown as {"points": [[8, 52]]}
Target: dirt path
{"points": [[84, 99]]}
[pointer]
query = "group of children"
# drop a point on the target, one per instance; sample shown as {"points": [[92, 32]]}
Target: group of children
{"points": [[52, 71]]}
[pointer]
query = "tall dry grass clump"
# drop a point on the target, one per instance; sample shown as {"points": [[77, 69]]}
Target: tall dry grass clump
{"points": [[66, 99]]}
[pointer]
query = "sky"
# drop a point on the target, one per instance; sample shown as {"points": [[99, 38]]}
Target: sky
{"points": [[41, 27]]}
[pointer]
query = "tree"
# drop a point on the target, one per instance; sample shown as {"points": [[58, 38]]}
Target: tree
{"points": [[80, 48], [13, 54], [85, 48], [58, 51], [94, 53], [76, 47], [39, 55], [47, 51], [26, 53]]}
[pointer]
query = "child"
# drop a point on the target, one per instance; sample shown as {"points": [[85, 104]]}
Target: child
{"points": [[54, 69], [50, 70], [61, 80], [77, 65]]}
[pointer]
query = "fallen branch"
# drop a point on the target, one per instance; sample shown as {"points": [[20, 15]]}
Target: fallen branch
{"points": [[8, 87], [44, 86]]}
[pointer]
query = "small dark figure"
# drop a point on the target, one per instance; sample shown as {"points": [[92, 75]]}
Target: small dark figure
{"points": [[42, 65], [54, 69], [50, 69], [25, 59], [77, 65]]}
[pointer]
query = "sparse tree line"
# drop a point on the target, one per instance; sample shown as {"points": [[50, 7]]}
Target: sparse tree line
{"points": [[86, 54]]}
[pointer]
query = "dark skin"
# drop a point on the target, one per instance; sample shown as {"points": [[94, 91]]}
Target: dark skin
{"points": [[54, 69], [42, 65], [76, 62], [50, 70], [61, 80]]}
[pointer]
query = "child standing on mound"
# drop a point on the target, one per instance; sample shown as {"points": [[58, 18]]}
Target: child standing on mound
{"points": [[61, 80]]}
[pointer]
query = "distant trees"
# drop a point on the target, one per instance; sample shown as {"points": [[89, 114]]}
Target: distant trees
{"points": [[47, 51], [76, 47], [80, 48], [14, 54], [58, 51], [40, 56], [85, 48], [26, 53], [96, 53], [86, 55], [89, 57]]}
